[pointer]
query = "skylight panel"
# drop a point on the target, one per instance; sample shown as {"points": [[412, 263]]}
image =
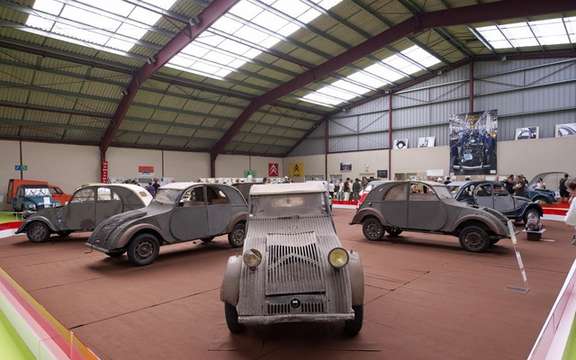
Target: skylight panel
{"points": [[351, 87], [321, 99], [550, 32], [255, 23], [92, 23], [384, 72], [336, 93], [421, 56], [534, 33], [399, 63]]}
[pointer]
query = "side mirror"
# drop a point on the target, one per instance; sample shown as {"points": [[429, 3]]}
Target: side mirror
{"points": [[181, 203]]}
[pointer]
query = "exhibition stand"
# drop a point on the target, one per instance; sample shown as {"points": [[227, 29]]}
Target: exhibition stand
{"points": [[28, 330]]}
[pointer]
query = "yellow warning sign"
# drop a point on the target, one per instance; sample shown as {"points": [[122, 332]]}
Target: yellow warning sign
{"points": [[296, 169]]}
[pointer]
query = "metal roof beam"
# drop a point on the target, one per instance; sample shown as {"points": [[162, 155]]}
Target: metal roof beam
{"points": [[455, 16]]}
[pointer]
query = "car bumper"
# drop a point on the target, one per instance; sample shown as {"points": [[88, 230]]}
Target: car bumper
{"points": [[290, 318], [97, 248]]}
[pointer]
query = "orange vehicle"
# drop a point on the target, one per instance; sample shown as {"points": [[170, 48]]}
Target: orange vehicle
{"points": [[55, 191]]}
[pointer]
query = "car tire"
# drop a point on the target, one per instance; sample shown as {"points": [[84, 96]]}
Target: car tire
{"points": [[394, 232], [372, 229], [527, 215], [237, 235], [38, 232], [232, 319], [474, 238], [353, 327], [207, 239], [143, 249]]}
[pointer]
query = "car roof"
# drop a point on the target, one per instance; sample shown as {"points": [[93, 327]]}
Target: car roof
{"points": [[179, 185], [292, 188]]}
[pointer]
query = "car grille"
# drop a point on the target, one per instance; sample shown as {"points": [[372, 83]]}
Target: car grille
{"points": [[295, 268], [304, 308]]}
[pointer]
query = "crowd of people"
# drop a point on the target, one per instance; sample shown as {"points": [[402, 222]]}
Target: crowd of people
{"points": [[348, 189]]}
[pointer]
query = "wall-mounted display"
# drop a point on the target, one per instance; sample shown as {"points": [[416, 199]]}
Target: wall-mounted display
{"points": [[401, 144], [565, 130], [532, 132], [345, 166], [473, 138], [382, 174], [426, 141], [296, 169], [273, 169]]}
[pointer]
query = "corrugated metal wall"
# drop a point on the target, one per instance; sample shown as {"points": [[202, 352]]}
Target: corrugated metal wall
{"points": [[526, 93]]}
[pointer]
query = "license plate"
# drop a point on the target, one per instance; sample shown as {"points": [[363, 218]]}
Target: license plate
{"points": [[467, 157]]}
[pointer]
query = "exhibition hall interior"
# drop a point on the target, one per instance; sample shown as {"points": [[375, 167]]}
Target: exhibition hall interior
{"points": [[280, 179]]}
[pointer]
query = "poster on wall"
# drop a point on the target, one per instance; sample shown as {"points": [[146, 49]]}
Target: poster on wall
{"points": [[296, 169], [400, 144], [145, 169], [426, 141], [273, 169], [565, 130], [345, 167], [382, 174], [532, 132], [473, 139]]}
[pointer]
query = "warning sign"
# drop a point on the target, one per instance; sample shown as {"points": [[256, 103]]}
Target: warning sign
{"points": [[296, 169], [273, 169]]}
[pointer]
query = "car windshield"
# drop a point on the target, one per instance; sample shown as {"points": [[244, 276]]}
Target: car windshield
{"points": [[442, 192], [167, 196], [288, 205]]}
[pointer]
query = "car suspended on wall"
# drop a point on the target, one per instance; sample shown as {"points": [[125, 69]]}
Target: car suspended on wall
{"points": [[293, 267], [424, 206], [90, 205], [180, 212]]}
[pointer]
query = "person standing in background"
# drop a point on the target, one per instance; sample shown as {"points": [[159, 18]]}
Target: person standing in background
{"points": [[347, 189], [356, 188], [563, 189], [331, 189], [156, 186], [509, 183]]}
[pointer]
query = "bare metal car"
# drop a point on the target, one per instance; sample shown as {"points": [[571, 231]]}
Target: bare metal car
{"points": [[90, 205], [180, 212], [420, 206], [293, 267]]}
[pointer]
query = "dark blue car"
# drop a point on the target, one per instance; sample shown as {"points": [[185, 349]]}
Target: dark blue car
{"points": [[493, 194], [30, 198]]}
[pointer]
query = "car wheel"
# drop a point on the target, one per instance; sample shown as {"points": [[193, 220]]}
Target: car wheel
{"points": [[353, 327], [207, 239], [394, 232], [232, 319], [143, 249], [237, 235], [38, 232], [372, 229], [474, 238], [532, 213]]}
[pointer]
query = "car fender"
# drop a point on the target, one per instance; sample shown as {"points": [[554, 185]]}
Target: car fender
{"points": [[532, 206], [241, 216], [361, 214], [490, 223], [123, 240], [230, 289], [356, 278], [30, 220]]}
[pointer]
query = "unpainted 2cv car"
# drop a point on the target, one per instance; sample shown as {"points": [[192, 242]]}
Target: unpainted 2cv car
{"points": [[90, 205], [180, 212], [293, 267], [421, 206]]}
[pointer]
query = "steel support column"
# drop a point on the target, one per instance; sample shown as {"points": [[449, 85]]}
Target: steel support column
{"points": [[471, 86], [455, 16], [208, 16], [326, 148], [390, 136]]}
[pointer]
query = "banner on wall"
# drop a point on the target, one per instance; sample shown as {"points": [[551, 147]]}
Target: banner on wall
{"points": [[345, 167], [565, 130], [401, 144], [426, 141], [473, 138], [104, 172], [273, 169], [296, 169], [531, 132], [145, 169]]}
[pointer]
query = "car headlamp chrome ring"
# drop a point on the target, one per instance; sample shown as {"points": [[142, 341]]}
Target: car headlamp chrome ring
{"points": [[338, 258], [252, 258]]}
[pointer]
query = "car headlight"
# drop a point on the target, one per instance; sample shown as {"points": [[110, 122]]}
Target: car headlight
{"points": [[338, 258], [252, 258]]}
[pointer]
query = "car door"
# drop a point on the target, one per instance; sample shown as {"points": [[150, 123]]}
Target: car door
{"points": [[393, 204], [108, 203], [483, 195], [220, 210], [189, 220], [80, 213], [425, 210], [503, 201]]}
